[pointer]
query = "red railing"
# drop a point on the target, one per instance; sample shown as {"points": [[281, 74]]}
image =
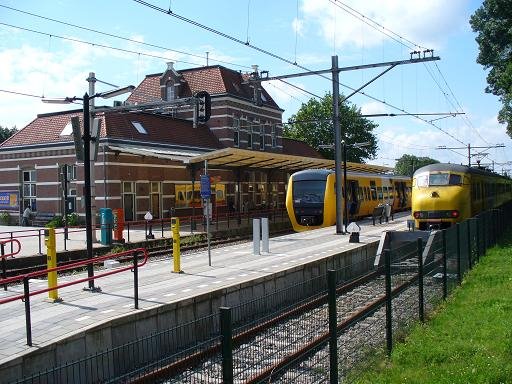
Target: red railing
{"points": [[4, 255], [26, 288]]}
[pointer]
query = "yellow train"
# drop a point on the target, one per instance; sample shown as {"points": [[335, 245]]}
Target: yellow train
{"points": [[311, 196], [444, 194]]}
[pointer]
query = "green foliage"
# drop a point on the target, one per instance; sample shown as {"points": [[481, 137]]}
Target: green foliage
{"points": [[493, 24], [5, 133], [470, 338], [56, 222], [72, 219], [313, 125], [407, 164], [5, 218], [117, 249]]}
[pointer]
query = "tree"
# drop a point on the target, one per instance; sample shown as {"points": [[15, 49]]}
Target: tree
{"points": [[493, 23], [313, 125], [5, 133], [407, 164]]}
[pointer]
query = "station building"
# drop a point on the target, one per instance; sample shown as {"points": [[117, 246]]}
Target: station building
{"points": [[151, 153]]}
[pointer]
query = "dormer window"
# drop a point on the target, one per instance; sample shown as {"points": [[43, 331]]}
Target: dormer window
{"points": [[68, 130], [139, 127], [170, 91]]}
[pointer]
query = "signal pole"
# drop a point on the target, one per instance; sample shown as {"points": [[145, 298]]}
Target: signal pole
{"points": [[469, 149]]}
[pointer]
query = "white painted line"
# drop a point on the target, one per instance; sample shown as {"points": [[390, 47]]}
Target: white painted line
{"points": [[186, 290], [83, 318], [128, 305], [152, 299], [107, 311], [202, 286], [230, 278], [170, 294], [243, 274], [286, 263], [265, 269], [217, 282]]}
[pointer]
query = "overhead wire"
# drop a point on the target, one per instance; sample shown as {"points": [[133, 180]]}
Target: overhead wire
{"points": [[122, 37]]}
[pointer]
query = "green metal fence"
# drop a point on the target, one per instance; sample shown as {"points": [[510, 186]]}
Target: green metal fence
{"points": [[321, 330]]}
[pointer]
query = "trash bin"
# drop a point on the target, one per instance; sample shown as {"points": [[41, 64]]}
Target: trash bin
{"points": [[106, 221], [118, 224]]}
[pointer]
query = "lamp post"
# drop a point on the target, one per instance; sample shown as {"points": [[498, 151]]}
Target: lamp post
{"points": [[86, 138]]}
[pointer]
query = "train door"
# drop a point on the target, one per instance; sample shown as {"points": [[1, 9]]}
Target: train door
{"points": [[353, 198]]}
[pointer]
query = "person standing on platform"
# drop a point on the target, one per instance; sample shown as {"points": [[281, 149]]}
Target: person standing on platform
{"points": [[26, 216]]}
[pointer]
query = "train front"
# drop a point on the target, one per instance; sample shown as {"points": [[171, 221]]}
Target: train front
{"points": [[439, 197], [309, 201]]}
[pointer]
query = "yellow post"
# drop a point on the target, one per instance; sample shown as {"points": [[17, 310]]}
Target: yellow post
{"points": [[176, 254], [51, 252]]}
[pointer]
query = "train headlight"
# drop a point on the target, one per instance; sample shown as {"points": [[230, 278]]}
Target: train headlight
{"points": [[417, 214], [455, 214]]}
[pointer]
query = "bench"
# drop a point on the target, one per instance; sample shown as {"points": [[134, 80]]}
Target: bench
{"points": [[378, 213], [42, 218]]}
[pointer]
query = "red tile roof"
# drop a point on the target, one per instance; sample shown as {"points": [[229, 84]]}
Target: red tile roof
{"points": [[161, 130], [299, 148], [214, 80]]}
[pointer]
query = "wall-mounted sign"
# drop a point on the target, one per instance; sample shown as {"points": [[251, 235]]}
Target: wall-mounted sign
{"points": [[9, 200]]}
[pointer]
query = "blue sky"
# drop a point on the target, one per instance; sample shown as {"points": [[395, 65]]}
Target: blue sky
{"points": [[39, 62]]}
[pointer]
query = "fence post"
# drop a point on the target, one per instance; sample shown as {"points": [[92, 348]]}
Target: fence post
{"points": [[162, 225], [39, 240], [459, 270], [128, 231], [389, 327], [26, 299], [470, 246], [333, 323], [226, 345], [477, 234], [421, 303], [445, 277], [135, 280]]}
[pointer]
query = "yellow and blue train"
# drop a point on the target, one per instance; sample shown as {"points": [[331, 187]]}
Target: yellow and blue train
{"points": [[311, 196], [444, 194]]}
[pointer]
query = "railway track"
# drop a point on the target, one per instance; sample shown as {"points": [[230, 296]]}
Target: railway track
{"points": [[261, 352], [154, 251]]}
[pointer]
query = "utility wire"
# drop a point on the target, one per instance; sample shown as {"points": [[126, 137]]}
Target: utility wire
{"points": [[122, 37], [20, 93]]}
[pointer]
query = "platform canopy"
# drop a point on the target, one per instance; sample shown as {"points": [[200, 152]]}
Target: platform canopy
{"points": [[242, 158]]}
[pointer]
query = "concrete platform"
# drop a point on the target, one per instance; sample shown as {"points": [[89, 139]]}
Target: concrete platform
{"points": [[158, 286]]}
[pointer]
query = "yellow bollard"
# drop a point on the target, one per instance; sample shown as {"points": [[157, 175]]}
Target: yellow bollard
{"points": [[176, 253], [51, 251]]}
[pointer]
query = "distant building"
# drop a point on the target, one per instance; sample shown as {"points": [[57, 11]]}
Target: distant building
{"points": [[147, 147]]}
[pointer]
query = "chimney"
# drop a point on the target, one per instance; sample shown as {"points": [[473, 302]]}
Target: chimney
{"points": [[254, 70], [170, 65]]}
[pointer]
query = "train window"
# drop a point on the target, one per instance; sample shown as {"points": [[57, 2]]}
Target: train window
{"points": [[373, 190], [379, 193], [308, 191], [422, 180]]}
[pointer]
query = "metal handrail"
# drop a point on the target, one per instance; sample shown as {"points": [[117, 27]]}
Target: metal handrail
{"points": [[2, 245], [26, 290]]}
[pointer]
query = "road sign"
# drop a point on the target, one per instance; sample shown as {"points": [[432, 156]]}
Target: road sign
{"points": [[206, 190], [203, 106]]}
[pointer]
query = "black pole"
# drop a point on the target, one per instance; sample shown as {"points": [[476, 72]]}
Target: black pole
{"points": [[421, 298], [345, 184], [333, 322], [337, 142], [470, 245], [135, 280], [459, 269], [39, 240], [445, 277], [65, 191], [4, 267], [389, 325], [226, 345], [477, 234], [26, 299], [87, 189]]}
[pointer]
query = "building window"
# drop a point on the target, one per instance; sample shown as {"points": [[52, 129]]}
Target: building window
{"points": [[170, 94], [29, 189], [236, 132], [249, 137], [262, 138], [274, 138], [71, 172]]}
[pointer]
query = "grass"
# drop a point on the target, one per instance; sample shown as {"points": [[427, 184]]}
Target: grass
{"points": [[468, 339]]}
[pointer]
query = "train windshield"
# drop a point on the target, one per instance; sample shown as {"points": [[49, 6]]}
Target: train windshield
{"points": [[309, 191], [438, 179]]}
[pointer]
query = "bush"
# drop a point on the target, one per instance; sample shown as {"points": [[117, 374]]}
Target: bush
{"points": [[56, 222], [72, 219], [5, 218]]}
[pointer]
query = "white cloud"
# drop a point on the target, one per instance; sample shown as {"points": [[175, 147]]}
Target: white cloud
{"points": [[424, 22], [298, 26]]}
